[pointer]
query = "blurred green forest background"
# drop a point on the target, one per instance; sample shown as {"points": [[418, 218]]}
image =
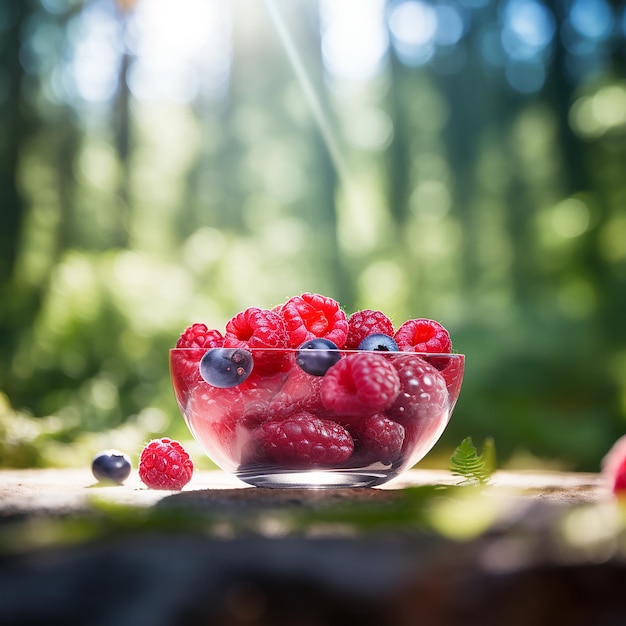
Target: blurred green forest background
{"points": [[164, 163]]}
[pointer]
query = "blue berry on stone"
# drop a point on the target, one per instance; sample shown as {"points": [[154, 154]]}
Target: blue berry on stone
{"points": [[111, 466]]}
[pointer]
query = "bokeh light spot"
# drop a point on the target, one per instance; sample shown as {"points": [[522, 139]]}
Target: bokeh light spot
{"points": [[450, 24], [592, 18], [383, 285], [413, 25], [605, 111], [612, 238], [570, 218], [354, 38], [369, 129]]}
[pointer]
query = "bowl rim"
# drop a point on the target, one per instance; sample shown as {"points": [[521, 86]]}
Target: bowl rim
{"points": [[342, 350]]}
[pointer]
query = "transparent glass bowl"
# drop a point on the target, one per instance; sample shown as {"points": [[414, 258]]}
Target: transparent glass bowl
{"points": [[362, 423]]}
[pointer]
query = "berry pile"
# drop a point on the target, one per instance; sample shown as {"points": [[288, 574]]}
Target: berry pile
{"points": [[303, 385]]}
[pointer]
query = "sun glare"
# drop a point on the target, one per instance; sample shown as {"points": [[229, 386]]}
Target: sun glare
{"points": [[180, 50], [354, 37]]}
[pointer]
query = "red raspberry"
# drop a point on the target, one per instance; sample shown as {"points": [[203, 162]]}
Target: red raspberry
{"points": [[165, 464], [310, 316], [300, 392], [185, 363], [423, 335], [452, 372], [364, 323], [255, 328], [378, 439], [222, 419], [423, 390], [305, 441], [199, 336], [258, 328], [360, 384], [422, 405]]}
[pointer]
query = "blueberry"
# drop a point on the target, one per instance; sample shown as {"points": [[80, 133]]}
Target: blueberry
{"points": [[226, 367], [379, 342], [111, 466], [316, 356]]}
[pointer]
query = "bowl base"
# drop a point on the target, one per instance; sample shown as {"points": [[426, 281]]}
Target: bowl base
{"points": [[316, 479]]}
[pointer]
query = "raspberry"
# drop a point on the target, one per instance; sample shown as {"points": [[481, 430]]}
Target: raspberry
{"points": [[364, 323], [223, 418], [255, 328], [301, 392], [360, 384], [378, 439], [258, 328], [165, 464], [423, 335], [452, 373], [423, 391], [421, 406], [310, 316], [305, 441], [185, 363], [199, 336]]}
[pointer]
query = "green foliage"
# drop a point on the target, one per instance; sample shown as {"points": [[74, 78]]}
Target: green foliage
{"points": [[472, 467], [434, 193]]}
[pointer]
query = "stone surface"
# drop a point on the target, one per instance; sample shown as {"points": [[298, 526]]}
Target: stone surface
{"points": [[166, 559], [66, 490]]}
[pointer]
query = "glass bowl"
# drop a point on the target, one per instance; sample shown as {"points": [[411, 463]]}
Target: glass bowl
{"points": [[359, 422]]}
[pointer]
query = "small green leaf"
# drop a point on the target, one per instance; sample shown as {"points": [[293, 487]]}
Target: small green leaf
{"points": [[473, 467]]}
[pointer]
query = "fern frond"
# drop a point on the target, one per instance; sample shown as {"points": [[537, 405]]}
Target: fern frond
{"points": [[474, 468]]}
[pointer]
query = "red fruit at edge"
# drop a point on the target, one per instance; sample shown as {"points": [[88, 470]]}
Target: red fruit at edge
{"points": [[364, 323], [423, 335], [619, 484], [304, 441], [310, 316], [165, 464], [360, 384], [614, 468]]}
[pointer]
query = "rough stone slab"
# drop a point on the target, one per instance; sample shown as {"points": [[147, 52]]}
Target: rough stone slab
{"points": [[66, 490], [517, 573]]}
